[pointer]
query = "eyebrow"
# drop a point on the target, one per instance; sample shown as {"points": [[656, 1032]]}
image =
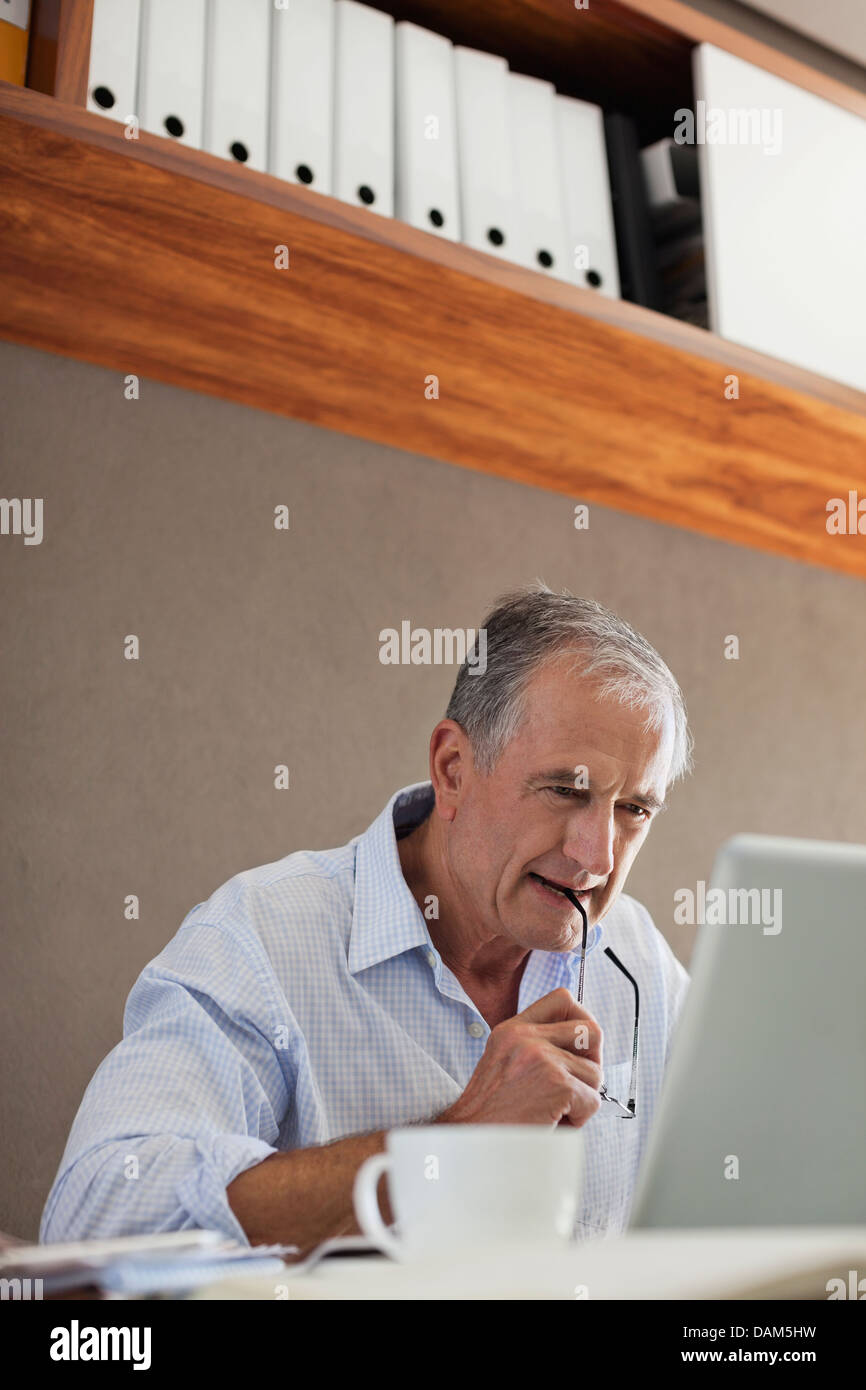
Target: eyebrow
{"points": [[566, 776]]}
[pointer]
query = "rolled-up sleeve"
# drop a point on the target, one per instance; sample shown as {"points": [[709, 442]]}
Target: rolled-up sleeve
{"points": [[194, 1094]]}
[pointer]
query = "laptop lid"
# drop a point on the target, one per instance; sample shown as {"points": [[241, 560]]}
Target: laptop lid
{"points": [[762, 1113]]}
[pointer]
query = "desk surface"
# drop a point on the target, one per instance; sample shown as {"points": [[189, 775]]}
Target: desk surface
{"points": [[757, 1263]]}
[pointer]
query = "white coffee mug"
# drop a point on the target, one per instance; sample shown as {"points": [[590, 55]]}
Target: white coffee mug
{"points": [[458, 1187]]}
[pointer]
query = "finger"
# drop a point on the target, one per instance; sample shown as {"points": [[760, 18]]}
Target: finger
{"points": [[583, 1036], [554, 1007], [577, 1113], [583, 1069]]}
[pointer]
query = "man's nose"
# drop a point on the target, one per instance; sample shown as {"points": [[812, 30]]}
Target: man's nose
{"points": [[589, 841]]}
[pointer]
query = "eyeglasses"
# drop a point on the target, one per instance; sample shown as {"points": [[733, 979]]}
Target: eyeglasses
{"points": [[627, 1111]]}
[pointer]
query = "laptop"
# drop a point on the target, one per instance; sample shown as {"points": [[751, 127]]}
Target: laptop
{"points": [[762, 1114]]}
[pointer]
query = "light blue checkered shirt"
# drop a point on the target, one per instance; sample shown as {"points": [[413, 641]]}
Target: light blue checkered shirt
{"points": [[304, 1002]]}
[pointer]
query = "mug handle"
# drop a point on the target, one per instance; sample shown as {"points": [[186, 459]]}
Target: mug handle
{"points": [[364, 1195]]}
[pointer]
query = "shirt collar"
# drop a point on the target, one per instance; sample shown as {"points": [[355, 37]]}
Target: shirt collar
{"points": [[386, 919]]}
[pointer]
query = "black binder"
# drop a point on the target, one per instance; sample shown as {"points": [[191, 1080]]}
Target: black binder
{"points": [[635, 243]]}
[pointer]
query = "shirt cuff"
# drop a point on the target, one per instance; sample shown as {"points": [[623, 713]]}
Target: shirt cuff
{"points": [[203, 1192]]}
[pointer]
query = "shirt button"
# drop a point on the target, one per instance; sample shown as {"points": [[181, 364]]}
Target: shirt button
{"points": [[430, 957], [476, 1030]]}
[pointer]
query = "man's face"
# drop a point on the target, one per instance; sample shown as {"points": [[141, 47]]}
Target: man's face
{"points": [[528, 822]]}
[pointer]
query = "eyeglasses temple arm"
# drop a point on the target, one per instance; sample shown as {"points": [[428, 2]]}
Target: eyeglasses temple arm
{"points": [[575, 902], [632, 1091]]}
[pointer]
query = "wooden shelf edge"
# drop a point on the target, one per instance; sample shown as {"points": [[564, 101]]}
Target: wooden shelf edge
{"points": [[50, 114], [848, 559]]}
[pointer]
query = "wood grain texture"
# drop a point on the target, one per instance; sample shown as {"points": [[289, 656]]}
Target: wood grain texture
{"points": [[152, 259], [73, 51], [42, 54]]}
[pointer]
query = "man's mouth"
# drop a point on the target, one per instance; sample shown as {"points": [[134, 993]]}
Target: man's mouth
{"points": [[564, 890]]}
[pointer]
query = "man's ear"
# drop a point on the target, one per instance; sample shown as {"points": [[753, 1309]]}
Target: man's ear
{"points": [[450, 762]]}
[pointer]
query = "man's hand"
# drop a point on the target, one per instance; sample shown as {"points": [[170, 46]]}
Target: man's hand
{"points": [[540, 1067]]}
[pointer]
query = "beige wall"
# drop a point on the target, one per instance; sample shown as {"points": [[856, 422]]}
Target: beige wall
{"points": [[841, 24], [261, 647], [802, 29]]}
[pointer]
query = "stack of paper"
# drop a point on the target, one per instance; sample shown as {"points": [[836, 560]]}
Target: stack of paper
{"points": [[136, 1265]]}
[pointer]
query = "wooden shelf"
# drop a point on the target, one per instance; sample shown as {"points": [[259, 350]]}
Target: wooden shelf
{"points": [[147, 257]]}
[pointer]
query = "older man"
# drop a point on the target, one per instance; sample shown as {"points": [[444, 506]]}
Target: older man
{"points": [[426, 971]]}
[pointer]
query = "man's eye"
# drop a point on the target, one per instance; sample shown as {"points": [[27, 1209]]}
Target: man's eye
{"points": [[639, 812]]}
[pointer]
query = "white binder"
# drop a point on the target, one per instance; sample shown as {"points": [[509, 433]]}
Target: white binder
{"points": [[364, 107], [302, 93], [537, 183], [237, 72], [171, 69], [784, 207], [426, 132], [489, 213], [590, 232], [112, 77]]}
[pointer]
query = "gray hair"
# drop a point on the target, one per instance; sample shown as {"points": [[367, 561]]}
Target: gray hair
{"points": [[531, 626]]}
